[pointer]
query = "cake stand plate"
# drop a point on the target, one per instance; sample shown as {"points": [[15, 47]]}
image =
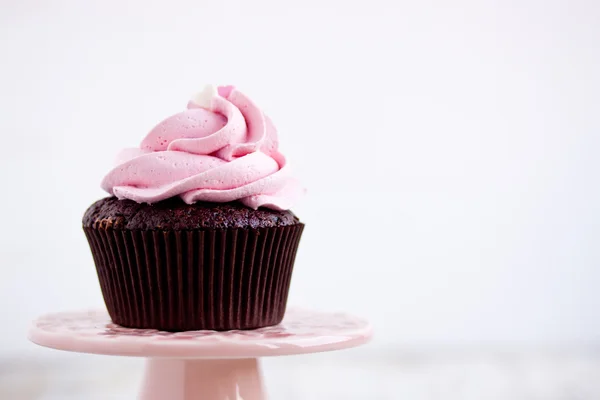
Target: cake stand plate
{"points": [[201, 365]]}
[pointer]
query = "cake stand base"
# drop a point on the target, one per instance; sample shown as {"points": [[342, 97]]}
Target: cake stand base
{"points": [[180, 379], [201, 365]]}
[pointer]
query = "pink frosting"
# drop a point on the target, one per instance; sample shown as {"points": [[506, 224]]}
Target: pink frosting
{"points": [[220, 151]]}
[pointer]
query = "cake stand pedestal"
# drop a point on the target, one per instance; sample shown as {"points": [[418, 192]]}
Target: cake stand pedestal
{"points": [[201, 365]]}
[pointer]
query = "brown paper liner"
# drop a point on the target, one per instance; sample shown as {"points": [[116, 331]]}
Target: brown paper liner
{"points": [[192, 280]]}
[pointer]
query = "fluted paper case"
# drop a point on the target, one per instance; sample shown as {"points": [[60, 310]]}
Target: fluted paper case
{"points": [[220, 279]]}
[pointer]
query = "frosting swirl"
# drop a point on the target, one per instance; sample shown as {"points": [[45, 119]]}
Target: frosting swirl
{"points": [[222, 148]]}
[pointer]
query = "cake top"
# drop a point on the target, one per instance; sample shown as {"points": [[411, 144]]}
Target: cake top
{"points": [[222, 148], [174, 214]]}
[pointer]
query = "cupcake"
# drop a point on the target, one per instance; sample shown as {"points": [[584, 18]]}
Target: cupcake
{"points": [[197, 233]]}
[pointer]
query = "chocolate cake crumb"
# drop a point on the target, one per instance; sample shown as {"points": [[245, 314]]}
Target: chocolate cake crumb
{"points": [[174, 214]]}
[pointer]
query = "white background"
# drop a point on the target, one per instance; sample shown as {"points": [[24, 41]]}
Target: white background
{"points": [[451, 151]]}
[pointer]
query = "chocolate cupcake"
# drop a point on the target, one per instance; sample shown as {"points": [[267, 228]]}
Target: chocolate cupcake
{"points": [[198, 232]]}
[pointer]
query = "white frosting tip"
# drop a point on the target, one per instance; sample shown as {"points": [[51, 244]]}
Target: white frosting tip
{"points": [[204, 98]]}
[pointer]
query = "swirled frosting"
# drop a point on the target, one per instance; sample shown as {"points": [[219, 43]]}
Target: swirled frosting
{"points": [[221, 148]]}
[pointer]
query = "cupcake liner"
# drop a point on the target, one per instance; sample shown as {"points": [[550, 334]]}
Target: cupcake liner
{"points": [[192, 280]]}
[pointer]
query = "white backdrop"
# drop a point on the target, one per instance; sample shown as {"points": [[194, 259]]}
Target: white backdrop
{"points": [[451, 152]]}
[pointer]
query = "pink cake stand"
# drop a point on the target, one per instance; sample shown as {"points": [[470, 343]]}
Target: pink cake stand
{"points": [[201, 365]]}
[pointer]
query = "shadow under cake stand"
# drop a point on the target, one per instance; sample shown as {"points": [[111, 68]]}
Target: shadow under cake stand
{"points": [[201, 365]]}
